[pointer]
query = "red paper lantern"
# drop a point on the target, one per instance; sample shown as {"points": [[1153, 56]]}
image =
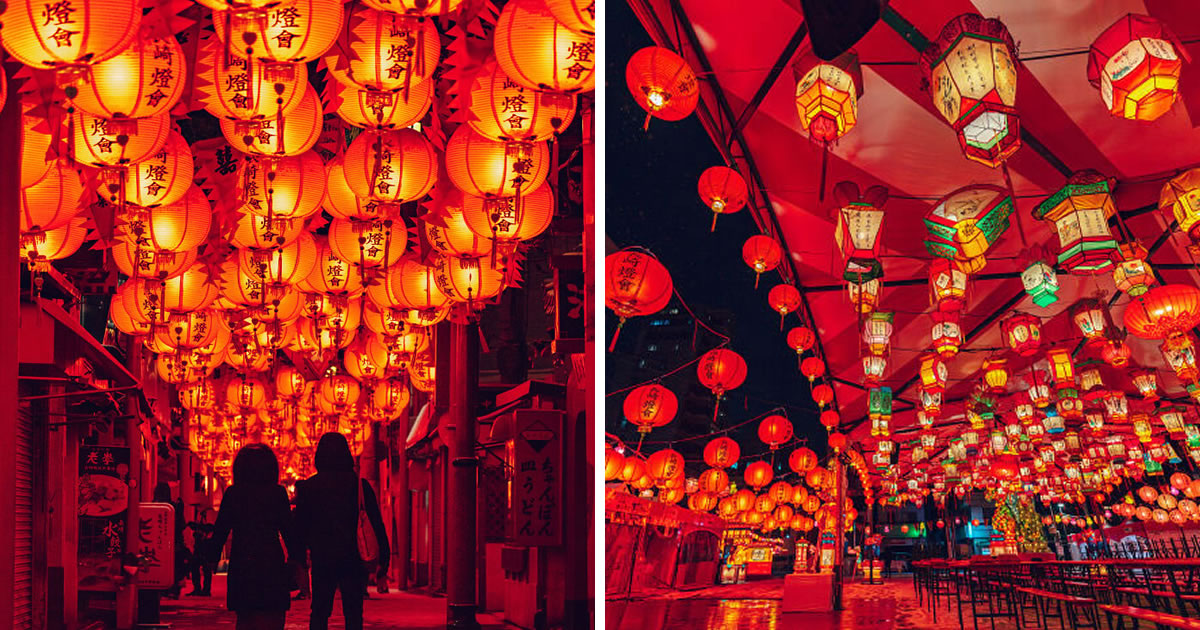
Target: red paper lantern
{"points": [[775, 430], [784, 298], [761, 253], [812, 368], [722, 452], [664, 465], [723, 191], [662, 83], [837, 441], [721, 370], [801, 339], [758, 474], [802, 460], [1135, 63], [830, 419], [1022, 334], [822, 395], [1164, 312], [650, 406], [714, 480], [635, 284]]}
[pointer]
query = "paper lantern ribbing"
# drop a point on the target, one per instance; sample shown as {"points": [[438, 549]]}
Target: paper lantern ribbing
{"points": [[332, 275], [254, 232], [391, 166], [468, 280], [758, 475], [502, 109], [650, 406], [635, 284], [286, 187], [541, 53], [286, 265], [1135, 65], [391, 397], [761, 253], [62, 35], [508, 219], [1164, 312], [186, 292], [775, 430], [245, 89], [144, 262], [372, 109], [292, 133], [340, 200], [973, 82], [802, 460], [176, 227], [578, 15], [664, 465], [39, 248], [145, 79], [53, 200], [827, 96], [488, 168], [37, 155], [721, 370], [723, 190], [455, 238], [416, 7], [160, 179], [721, 452], [408, 284], [662, 83], [713, 480], [368, 243], [784, 298], [384, 51], [812, 368], [102, 142], [295, 31]]}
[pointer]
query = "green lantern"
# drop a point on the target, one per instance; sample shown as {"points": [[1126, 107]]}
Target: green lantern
{"points": [[1041, 283]]}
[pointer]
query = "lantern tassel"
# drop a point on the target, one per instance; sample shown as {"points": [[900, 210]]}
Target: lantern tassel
{"points": [[781, 316], [646, 125], [716, 409], [613, 344], [714, 223], [824, 169]]}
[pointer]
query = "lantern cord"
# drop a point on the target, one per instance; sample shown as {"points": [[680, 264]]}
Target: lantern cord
{"points": [[714, 222], [824, 170], [698, 320], [1013, 193], [612, 345], [646, 125]]}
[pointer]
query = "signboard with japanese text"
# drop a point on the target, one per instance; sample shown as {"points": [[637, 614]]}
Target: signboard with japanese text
{"points": [[536, 455], [156, 545], [103, 500]]}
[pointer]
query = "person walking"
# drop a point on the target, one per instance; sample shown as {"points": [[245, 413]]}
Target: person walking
{"points": [[326, 525], [202, 569], [255, 511]]}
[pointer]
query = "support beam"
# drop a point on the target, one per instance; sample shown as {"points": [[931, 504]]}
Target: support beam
{"points": [[460, 528], [10, 306], [785, 58]]}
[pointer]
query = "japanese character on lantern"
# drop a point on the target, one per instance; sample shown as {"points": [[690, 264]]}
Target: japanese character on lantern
{"points": [[947, 285], [1080, 211], [965, 223], [859, 223], [662, 83]]}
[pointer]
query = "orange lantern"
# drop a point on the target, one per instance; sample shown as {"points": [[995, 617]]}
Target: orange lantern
{"points": [[502, 109], [785, 299], [39, 248], [341, 202], [662, 83], [372, 109], [391, 397], [761, 253], [160, 179], [664, 465], [284, 187], [1164, 312], [286, 265], [409, 284], [613, 463], [721, 370], [541, 53], [416, 7], [292, 133], [104, 142], [775, 430], [635, 284], [714, 480], [384, 51], [802, 460], [391, 166], [136, 260], [577, 15], [702, 501], [723, 191], [721, 452], [254, 232], [245, 90], [292, 31], [453, 237], [145, 79], [189, 291], [508, 219], [650, 406], [53, 200], [178, 227], [468, 279], [488, 168], [758, 474], [827, 96], [368, 243], [66, 35], [1135, 64], [331, 275], [339, 390]]}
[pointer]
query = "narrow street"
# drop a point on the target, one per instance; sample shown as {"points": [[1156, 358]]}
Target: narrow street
{"points": [[393, 610]]}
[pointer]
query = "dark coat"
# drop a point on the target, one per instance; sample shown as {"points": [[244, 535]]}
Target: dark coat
{"points": [[259, 517], [326, 516]]}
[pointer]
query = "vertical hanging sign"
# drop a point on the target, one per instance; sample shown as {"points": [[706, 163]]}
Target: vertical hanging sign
{"points": [[536, 455], [103, 499], [156, 545]]}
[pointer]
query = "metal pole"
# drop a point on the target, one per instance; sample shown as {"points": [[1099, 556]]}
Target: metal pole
{"points": [[839, 528], [461, 530], [10, 305], [403, 500]]}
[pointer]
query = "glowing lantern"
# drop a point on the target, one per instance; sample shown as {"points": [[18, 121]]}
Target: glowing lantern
{"points": [[1135, 66], [775, 430], [284, 187], [662, 83], [284, 266], [1091, 318], [372, 109], [416, 7], [540, 52], [502, 109], [1131, 273], [664, 465], [650, 406], [722, 190], [409, 284], [948, 285], [368, 243], [877, 332], [488, 168], [813, 369], [635, 284], [63, 36], [879, 403], [827, 95], [468, 279], [52, 201], [761, 253], [145, 79], [1080, 211], [721, 452], [995, 374], [104, 142], [965, 223], [702, 501], [1022, 334], [947, 334], [973, 82], [714, 480], [830, 419], [245, 90], [758, 474], [1180, 354], [1041, 283], [822, 395], [873, 368], [1116, 352], [391, 166], [864, 295], [1172, 420], [721, 370], [1146, 382], [933, 372], [802, 460], [383, 51], [801, 339], [286, 134], [1164, 312], [1063, 368], [508, 219], [1180, 201], [292, 31], [784, 298], [39, 248], [178, 227], [331, 275], [160, 179]]}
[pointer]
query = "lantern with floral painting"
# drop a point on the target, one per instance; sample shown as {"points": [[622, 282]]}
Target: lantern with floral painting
{"points": [[1091, 318], [877, 332], [774, 430], [947, 285], [761, 253], [1135, 63], [721, 370], [1180, 353], [784, 298], [1080, 211], [723, 190], [722, 452], [879, 409], [1039, 389], [995, 374], [973, 82], [1022, 334], [1172, 418], [635, 284], [1145, 380], [827, 95], [1041, 283], [964, 224], [650, 406], [946, 333], [859, 223], [662, 83]]}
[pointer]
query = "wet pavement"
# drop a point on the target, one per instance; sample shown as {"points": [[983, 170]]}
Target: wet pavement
{"points": [[755, 605], [392, 610]]}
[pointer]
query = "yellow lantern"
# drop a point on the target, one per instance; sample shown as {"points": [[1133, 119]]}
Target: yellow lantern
{"points": [[145, 79], [368, 243], [373, 109], [391, 166], [292, 133], [468, 279], [540, 53], [63, 35], [292, 31], [159, 179], [503, 109], [287, 187], [827, 96], [384, 51], [244, 89]]}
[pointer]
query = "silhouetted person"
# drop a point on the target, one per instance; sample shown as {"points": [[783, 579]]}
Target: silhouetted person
{"points": [[202, 568], [255, 510], [327, 525]]}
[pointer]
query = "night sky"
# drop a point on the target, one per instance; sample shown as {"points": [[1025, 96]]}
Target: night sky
{"points": [[652, 202]]}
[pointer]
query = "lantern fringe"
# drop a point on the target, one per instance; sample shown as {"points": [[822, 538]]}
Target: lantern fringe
{"points": [[714, 222]]}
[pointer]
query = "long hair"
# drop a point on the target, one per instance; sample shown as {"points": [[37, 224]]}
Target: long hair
{"points": [[255, 464], [333, 454]]}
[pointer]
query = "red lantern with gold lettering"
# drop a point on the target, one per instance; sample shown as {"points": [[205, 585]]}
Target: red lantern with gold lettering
{"points": [[722, 452], [635, 284], [650, 406]]}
